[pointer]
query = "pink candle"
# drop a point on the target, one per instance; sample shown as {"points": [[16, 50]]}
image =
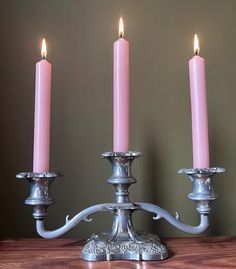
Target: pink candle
{"points": [[121, 93], [42, 113], [199, 109]]}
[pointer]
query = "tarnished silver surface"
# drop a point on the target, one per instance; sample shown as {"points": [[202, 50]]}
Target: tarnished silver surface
{"points": [[201, 171], [24, 175], [122, 242], [84, 215], [39, 197], [121, 171], [175, 220], [104, 246], [202, 186], [131, 154]]}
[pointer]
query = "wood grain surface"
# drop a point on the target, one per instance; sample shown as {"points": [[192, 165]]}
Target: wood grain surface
{"points": [[185, 253]]}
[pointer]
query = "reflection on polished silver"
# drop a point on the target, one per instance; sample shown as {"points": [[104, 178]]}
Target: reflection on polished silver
{"points": [[122, 242], [39, 191], [202, 193]]}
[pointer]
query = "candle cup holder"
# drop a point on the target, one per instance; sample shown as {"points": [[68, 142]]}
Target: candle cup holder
{"points": [[39, 197], [122, 242]]}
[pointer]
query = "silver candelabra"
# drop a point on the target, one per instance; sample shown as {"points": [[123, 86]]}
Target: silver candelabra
{"points": [[122, 242]]}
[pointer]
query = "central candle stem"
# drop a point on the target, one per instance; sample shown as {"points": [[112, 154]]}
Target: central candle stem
{"points": [[123, 242]]}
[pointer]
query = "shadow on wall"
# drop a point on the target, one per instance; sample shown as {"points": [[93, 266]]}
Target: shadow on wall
{"points": [[155, 188], [219, 221], [153, 173]]}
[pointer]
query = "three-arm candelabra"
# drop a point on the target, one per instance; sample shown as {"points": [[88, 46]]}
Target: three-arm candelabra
{"points": [[122, 242]]}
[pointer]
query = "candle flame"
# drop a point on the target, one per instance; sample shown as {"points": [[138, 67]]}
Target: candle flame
{"points": [[44, 49], [121, 28], [196, 45]]}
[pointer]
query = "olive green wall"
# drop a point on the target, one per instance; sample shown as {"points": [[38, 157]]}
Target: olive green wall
{"points": [[80, 35]]}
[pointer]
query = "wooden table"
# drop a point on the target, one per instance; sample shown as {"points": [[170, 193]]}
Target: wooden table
{"points": [[185, 253]]}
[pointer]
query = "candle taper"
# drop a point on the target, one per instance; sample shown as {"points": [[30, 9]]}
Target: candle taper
{"points": [[199, 109], [121, 93], [42, 113]]}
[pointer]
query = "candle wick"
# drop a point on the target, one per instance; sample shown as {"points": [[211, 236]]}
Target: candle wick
{"points": [[44, 57]]}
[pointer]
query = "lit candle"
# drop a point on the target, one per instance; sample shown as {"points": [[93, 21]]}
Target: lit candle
{"points": [[121, 93], [42, 113], [199, 109]]}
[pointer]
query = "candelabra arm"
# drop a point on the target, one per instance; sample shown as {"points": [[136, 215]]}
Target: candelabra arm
{"points": [[70, 224], [174, 220]]}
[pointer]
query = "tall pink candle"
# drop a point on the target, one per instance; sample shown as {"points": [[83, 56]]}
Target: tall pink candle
{"points": [[121, 93], [42, 114], [199, 109]]}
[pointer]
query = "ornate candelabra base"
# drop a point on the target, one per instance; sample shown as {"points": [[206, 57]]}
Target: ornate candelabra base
{"points": [[124, 246], [123, 242]]}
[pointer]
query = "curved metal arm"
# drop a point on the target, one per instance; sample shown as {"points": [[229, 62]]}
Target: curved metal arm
{"points": [[162, 213], [70, 224], [84, 215]]}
